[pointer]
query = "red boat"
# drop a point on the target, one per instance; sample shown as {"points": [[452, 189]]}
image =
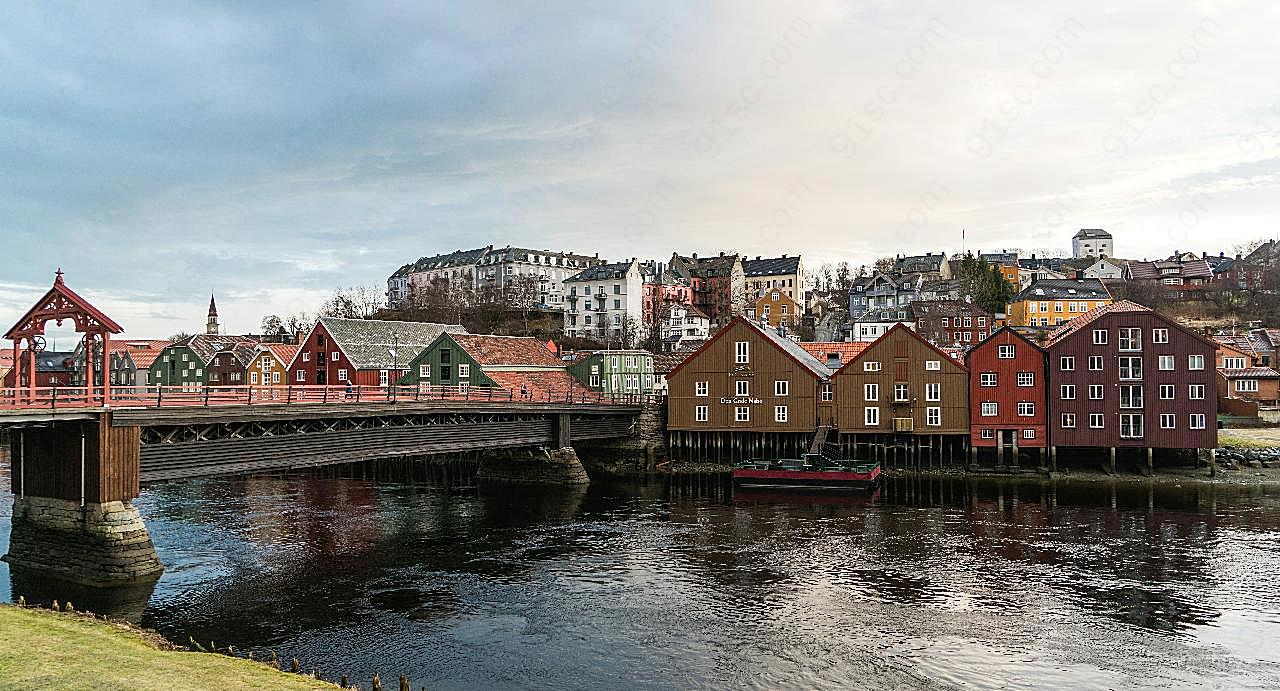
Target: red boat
{"points": [[817, 473]]}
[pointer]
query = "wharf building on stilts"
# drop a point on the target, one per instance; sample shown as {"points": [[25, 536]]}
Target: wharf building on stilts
{"points": [[1007, 400]]}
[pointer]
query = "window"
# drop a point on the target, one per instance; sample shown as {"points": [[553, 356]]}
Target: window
{"points": [[253, 377], [990, 409], [424, 371], [870, 367], [1130, 339], [1028, 434], [871, 416], [1026, 379], [946, 322], [827, 393], [1096, 420], [334, 356], [700, 413], [1159, 335], [933, 392], [1231, 363], [700, 388], [265, 363], [901, 392], [1057, 307], [1195, 362], [1197, 421], [1044, 307], [988, 434], [200, 372], [933, 416], [742, 387], [1195, 392], [446, 372], [1131, 367], [1026, 409], [464, 371], [1004, 352], [383, 377], [1131, 396], [1164, 363], [932, 365], [1067, 363], [1068, 420], [742, 414], [275, 377], [781, 388], [741, 353], [779, 413], [1068, 392], [1247, 385], [1167, 420], [185, 357], [1131, 426], [1166, 392], [870, 392], [1095, 392], [342, 375], [300, 376], [1095, 363], [987, 379], [446, 356], [1099, 336], [595, 380]]}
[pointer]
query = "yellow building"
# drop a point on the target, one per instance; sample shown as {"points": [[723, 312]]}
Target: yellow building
{"points": [[270, 365], [1012, 274], [1050, 302], [777, 307]]}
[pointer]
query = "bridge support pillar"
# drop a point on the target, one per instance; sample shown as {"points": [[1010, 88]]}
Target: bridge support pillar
{"points": [[73, 483], [541, 467]]}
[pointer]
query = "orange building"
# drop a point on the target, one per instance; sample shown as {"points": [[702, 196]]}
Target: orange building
{"points": [[776, 307], [270, 365]]}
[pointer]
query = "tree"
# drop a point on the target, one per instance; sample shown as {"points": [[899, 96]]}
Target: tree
{"points": [[180, 336], [354, 302], [843, 278], [983, 284], [273, 326], [884, 265]]}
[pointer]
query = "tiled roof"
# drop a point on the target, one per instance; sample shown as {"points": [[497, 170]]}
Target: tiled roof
{"points": [[1154, 271], [1092, 234], [243, 351], [1241, 342], [921, 263], [705, 267], [665, 362], [1064, 289], [1250, 373], [603, 272], [770, 266], [1089, 317], [205, 346], [283, 352], [692, 310], [823, 349], [507, 350], [946, 308], [368, 343], [142, 352], [538, 384]]}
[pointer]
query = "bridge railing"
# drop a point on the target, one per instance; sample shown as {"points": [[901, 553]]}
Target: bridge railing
{"points": [[67, 397]]}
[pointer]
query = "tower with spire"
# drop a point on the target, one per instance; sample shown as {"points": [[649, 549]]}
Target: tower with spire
{"points": [[211, 327]]}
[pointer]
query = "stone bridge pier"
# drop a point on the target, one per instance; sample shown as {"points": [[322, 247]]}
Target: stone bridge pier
{"points": [[73, 485]]}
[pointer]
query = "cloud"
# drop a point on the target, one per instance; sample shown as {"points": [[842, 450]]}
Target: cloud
{"points": [[271, 153]]}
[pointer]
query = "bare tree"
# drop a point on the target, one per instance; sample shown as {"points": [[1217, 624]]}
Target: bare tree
{"points": [[354, 302], [884, 265]]}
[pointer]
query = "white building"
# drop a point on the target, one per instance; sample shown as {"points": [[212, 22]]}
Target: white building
{"points": [[1105, 268], [605, 303], [684, 323], [1092, 242], [490, 266]]}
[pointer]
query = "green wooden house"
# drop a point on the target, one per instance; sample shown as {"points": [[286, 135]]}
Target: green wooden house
{"points": [[614, 371], [186, 362], [520, 365]]}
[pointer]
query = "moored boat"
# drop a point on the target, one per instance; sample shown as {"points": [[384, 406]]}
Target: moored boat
{"points": [[813, 472]]}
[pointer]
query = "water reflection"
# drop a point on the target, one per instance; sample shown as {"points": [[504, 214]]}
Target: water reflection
{"points": [[946, 580]]}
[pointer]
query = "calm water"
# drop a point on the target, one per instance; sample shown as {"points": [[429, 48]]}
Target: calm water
{"points": [[926, 584]]}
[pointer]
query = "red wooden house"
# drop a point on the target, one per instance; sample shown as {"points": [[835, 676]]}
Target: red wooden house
{"points": [[365, 352], [1123, 376], [1007, 402]]}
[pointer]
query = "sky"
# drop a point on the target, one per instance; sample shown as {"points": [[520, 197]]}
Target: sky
{"points": [[271, 152]]}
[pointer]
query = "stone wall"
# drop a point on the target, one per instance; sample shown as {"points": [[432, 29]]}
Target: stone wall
{"points": [[99, 545], [634, 454], [540, 467]]}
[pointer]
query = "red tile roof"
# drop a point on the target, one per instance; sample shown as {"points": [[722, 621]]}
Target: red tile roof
{"points": [[537, 385], [282, 351], [848, 351], [1250, 373], [1092, 315], [507, 350]]}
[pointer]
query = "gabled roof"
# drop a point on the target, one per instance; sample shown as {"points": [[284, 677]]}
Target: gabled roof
{"points": [[283, 352], [946, 308], [1250, 373], [244, 352], [603, 272], [371, 343], [665, 362], [1093, 234], [1021, 336], [1064, 289], [822, 350], [920, 263], [205, 346], [1154, 271], [1084, 320], [892, 330], [704, 267], [788, 347], [771, 266], [506, 350], [62, 300], [690, 310]]}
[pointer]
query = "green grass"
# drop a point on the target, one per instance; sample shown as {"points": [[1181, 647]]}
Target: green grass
{"points": [[1238, 441], [40, 649]]}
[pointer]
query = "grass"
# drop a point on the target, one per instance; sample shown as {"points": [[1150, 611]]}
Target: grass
{"points": [[40, 649], [1239, 440]]}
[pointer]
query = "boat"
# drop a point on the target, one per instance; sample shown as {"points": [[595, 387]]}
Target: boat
{"points": [[811, 472]]}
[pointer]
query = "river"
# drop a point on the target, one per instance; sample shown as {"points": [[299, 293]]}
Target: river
{"points": [[939, 583]]}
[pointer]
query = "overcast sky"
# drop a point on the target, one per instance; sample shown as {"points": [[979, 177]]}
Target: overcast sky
{"points": [[273, 151]]}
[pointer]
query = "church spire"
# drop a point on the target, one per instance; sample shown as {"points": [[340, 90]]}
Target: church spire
{"points": [[211, 326]]}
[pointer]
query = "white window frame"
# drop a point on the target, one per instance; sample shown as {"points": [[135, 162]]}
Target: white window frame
{"points": [[779, 413], [1129, 339], [1164, 363], [1028, 380], [1195, 392], [1067, 363], [742, 413], [1028, 434], [1005, 352], [871, 392], [987, 379], [1170, 389], [700, 413], [742, 352], [1099, 389], [1067, 392], [1168, 421], [342, 375], [871, 366], [989, 409], [1159, 335], [933, 365], [1026, 409], [1068, 421], [1099, 336], [701, 389], [933, 391], [781, 387], [424, 371], [901, 392], [1097, 421], [933, 416], [1195, 362], [1196, 421], [742, 387], [1096, 363], [1128, 420], [871, 416], [300, 376], [986, 433], [334, 356], [1247, 386]]}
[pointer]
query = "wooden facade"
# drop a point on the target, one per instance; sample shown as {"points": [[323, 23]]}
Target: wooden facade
{"points": [[320, 361], [1007, 400], [913, 387], [768, 385], [1125, 376], [46, 461]]}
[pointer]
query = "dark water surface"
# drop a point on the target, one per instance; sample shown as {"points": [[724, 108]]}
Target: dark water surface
{"points": [[928, 583]]}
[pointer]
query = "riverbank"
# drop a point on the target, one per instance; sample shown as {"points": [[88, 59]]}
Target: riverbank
{"points": [[42, 649]]}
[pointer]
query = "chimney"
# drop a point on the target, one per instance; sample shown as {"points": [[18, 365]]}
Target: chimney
{"points": [[694, 255]]}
